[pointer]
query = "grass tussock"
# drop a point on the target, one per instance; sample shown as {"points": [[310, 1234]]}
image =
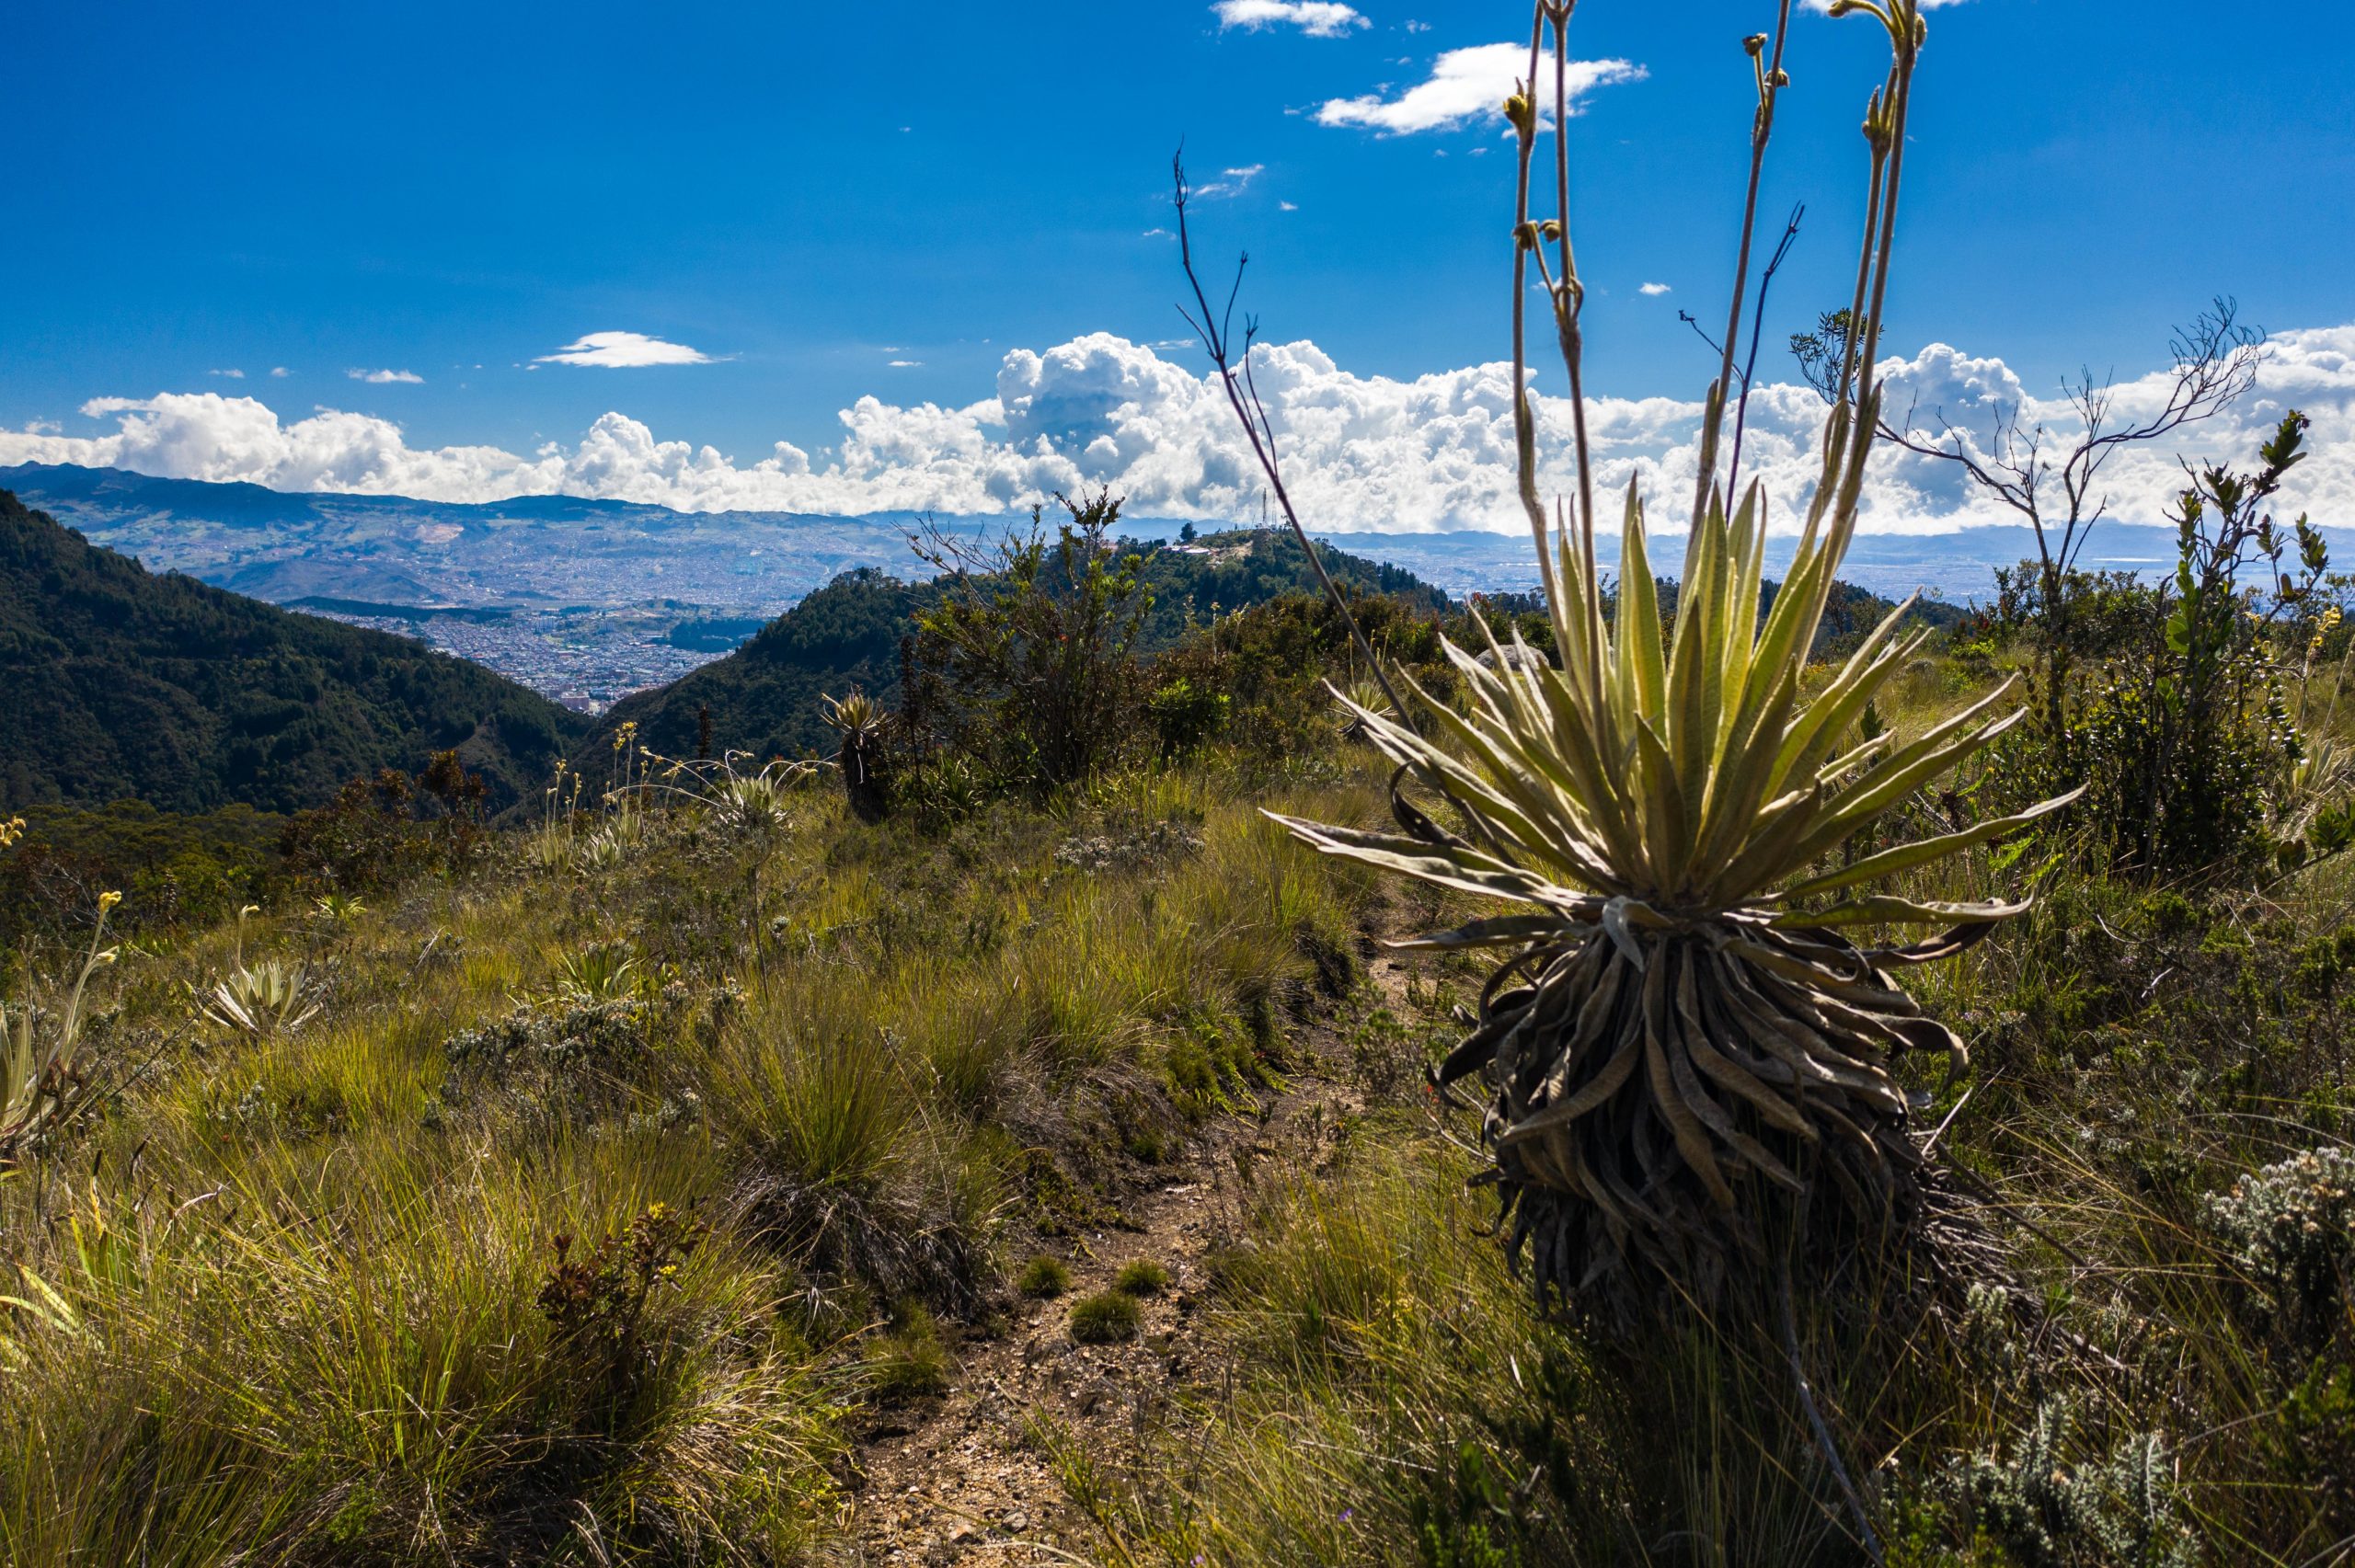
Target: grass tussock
{"points": [[1044, 1278], [1106, 1318]]}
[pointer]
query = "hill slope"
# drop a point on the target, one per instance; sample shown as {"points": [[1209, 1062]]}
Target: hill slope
{"points": [[763, 697], [123, 683]]}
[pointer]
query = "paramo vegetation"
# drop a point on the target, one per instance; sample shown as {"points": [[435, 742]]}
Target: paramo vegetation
{"points": [[1794, 1081]]}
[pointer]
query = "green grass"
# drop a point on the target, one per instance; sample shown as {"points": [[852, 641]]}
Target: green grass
{"points": [[1141, 1276], [909, 1360], [1044, 1278], [1106, 1318], [290, 1299]]}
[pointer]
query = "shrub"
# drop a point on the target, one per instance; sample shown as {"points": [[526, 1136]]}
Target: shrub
{"points": [[1271, 660], [2053, 1504], [1028, 662], [1142, 1277], [2190, 758], [1043, 1277], [2318, 1438], [1186, 716], [2165, 799], [380, 832], [1106, 1318], [569, 1056], [2292, 1230], [597, 1302]]}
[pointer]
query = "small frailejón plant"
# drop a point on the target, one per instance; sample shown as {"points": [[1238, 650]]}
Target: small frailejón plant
{"points": [[753, 803], [259, 1000], [1680, 1032], [603, 971], [860, 722]]}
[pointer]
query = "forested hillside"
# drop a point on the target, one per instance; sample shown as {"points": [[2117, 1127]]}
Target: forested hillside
{"points": [[763, 697], [122, 684]]}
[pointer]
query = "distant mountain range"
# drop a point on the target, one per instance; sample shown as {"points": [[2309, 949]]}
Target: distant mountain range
{"points": [[606, 597], [533, 552], [126, 683], [123, 683]]}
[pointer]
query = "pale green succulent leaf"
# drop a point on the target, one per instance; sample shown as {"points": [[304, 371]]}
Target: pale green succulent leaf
{"points": [[1885, 908], [1921, 852], [1426, 862]]}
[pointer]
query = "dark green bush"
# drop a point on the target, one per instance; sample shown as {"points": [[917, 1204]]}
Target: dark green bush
{"points": [[1186, 716], [1028, 661]]}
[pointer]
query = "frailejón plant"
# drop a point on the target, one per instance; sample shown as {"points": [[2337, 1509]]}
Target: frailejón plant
{"points": [[860, 722], [257, 1000], [1679, 1029]]}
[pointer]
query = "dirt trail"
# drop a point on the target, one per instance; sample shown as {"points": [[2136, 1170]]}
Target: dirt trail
{"points": [[957, 1478]]}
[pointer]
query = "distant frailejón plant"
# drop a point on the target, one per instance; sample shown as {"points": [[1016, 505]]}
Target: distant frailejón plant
{"points": [[1679, 1031], [860, 722]]}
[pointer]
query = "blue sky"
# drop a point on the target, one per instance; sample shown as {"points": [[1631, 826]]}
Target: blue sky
{"points": [[833, 202]]}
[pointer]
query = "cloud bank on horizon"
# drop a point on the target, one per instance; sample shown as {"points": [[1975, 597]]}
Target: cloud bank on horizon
{"points": [[1361, 453]]}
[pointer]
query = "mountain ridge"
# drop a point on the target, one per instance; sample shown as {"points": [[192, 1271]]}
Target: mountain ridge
{"points": [[128, 683]]}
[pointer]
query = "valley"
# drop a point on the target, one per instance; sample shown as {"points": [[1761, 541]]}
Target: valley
{"points": [[588, 601]]}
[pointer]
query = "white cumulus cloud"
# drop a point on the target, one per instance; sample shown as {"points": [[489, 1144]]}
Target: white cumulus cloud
{"points": [[1370, 454], [1317, 18], [387, 378], [624, 351], [1465, 83], [1654, 290]]}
